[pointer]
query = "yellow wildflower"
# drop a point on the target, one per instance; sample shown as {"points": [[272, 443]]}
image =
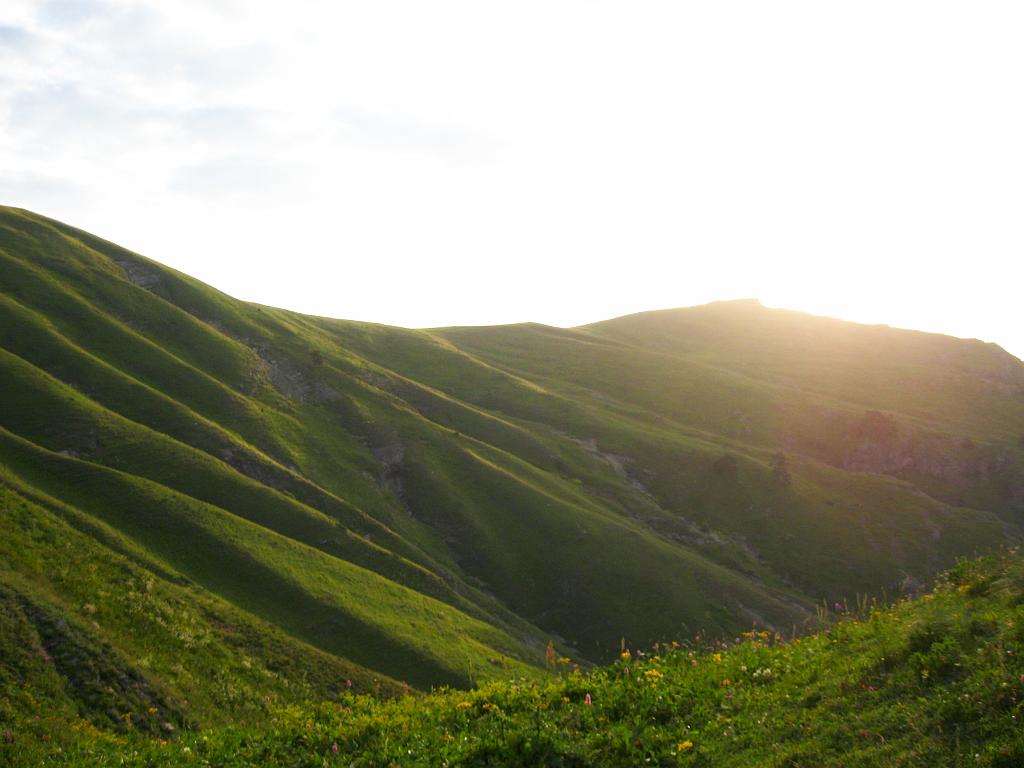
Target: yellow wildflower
{"points": [[717, 657], [463, 705], [685, 745]]}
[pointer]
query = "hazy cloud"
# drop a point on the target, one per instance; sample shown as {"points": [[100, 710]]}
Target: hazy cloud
{"points": [[223, 176], [71, 13], [408, 136], [23, 190], [15, 39]]}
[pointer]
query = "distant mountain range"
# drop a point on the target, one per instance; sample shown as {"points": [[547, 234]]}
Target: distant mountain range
{"points": [[202, 499]]}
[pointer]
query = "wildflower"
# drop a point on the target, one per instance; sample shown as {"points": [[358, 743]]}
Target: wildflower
{"points": [[348, 683], [488, 706], [152, 710], [334, 747], [564, 660], [717, 658], [625, 655], [565, 699], [652, 674], [588, 701], [685, 745], [463, 705], [726, 683]]}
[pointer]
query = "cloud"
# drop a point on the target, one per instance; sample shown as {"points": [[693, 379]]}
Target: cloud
{"points": [[229, 176], [225, 124], [408, 136], [31, 190], [16, 39], [59, 109], [71, 13]]}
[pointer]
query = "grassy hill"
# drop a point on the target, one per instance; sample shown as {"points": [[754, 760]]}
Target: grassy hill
{"points": [[338, 501], [936, 681]]}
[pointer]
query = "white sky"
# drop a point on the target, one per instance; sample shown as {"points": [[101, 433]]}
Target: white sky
{"points": [[435, 163]]}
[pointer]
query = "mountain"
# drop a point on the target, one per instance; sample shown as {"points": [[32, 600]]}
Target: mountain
{"points": [[189, 481]]}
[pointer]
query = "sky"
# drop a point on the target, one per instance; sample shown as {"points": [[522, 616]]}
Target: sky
{"points": [[441, 163]]}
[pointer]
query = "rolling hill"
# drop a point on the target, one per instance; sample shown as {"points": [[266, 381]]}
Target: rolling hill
{"points": [[189, 481]]}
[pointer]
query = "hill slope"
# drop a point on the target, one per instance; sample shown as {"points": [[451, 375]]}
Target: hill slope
{"points": [[433, 506], [937, 681]]}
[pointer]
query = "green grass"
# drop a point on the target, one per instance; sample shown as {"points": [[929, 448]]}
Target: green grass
{"points": [[936, 681], [315, 597]]}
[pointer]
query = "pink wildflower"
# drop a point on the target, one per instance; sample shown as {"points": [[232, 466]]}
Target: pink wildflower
{"points": [[588, 701], [334, 747], [348, 683]]}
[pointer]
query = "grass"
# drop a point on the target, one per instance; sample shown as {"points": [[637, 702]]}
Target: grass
{"points": [[935, 681]]}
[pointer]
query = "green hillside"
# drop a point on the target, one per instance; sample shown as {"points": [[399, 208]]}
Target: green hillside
{"points": [[330, 500], [936, 681]]}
